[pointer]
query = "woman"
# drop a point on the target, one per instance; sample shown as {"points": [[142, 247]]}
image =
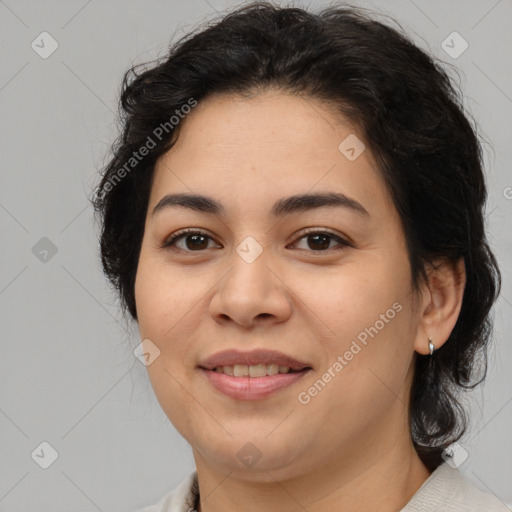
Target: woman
{"points": [[293, 215]]}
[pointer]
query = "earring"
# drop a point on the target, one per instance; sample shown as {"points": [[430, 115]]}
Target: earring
{"points": [[431, 346]]}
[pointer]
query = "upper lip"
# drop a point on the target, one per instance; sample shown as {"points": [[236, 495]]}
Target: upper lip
{"points": [[254, 357]]}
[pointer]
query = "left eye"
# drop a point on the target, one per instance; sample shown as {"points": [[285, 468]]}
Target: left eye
{"points": [[320, 240], [195, 241]]}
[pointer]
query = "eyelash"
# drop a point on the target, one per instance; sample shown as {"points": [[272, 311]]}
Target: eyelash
{"points": [[170, 242]]}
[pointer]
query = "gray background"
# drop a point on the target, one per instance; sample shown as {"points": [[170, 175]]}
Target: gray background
{"points": [[68, 374]]}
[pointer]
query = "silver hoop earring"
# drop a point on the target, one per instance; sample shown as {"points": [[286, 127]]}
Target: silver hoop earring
{"points": [[431, 346]]}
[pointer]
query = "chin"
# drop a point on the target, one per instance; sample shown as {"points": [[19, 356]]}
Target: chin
{"points": [[253, 458]]}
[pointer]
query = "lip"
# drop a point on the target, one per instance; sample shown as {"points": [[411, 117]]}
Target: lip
{"points": [[259, 356], [252, 388]]}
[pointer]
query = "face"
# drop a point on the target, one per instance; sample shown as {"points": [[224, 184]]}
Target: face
{"points": [[326, 283]]}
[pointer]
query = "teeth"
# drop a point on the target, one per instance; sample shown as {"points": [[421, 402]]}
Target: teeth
{"points": [[240, 370], [257, 370], [273, 369]]}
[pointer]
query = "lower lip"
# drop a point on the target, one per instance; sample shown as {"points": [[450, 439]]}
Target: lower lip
{"points": [[251, 388]]}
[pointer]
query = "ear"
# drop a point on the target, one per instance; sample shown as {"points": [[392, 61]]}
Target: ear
{"points": [[441, 303]]}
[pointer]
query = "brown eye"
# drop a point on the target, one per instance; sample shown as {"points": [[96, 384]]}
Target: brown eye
{"points": [[197, 241], [320, 241], [194, 241]]}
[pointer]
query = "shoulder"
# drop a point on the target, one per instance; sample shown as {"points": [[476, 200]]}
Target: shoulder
{"points": [[180, 499], [449, 490]]}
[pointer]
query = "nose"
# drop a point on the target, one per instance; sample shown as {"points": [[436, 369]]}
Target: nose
{"points": [[251, 293]]}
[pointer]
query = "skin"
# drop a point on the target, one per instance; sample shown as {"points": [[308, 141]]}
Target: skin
{"points": [[350, 447]]}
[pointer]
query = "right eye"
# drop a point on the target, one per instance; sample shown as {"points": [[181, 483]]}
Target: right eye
{"points": [[197, 240]]}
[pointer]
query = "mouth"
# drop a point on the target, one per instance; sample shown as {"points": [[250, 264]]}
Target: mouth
{"points": [[252, 375], [255, 363], [256, 370], [252, 388]]}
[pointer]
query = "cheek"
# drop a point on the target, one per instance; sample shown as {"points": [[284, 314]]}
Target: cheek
{"points": [[366, 308], [165, 299], [352, 296], [365, 370], [166, 315]]}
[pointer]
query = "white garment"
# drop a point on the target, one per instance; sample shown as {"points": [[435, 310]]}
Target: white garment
{"points": [[446, 490]]}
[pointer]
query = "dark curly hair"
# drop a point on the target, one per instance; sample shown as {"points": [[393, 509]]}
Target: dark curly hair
{"points": [[413, 121]]}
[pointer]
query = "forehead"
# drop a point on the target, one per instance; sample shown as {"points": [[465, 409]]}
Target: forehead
{"points": [[265, 147], [280, 123]]}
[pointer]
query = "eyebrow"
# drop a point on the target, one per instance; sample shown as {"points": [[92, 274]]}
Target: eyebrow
{"points": [[282, 207]]}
